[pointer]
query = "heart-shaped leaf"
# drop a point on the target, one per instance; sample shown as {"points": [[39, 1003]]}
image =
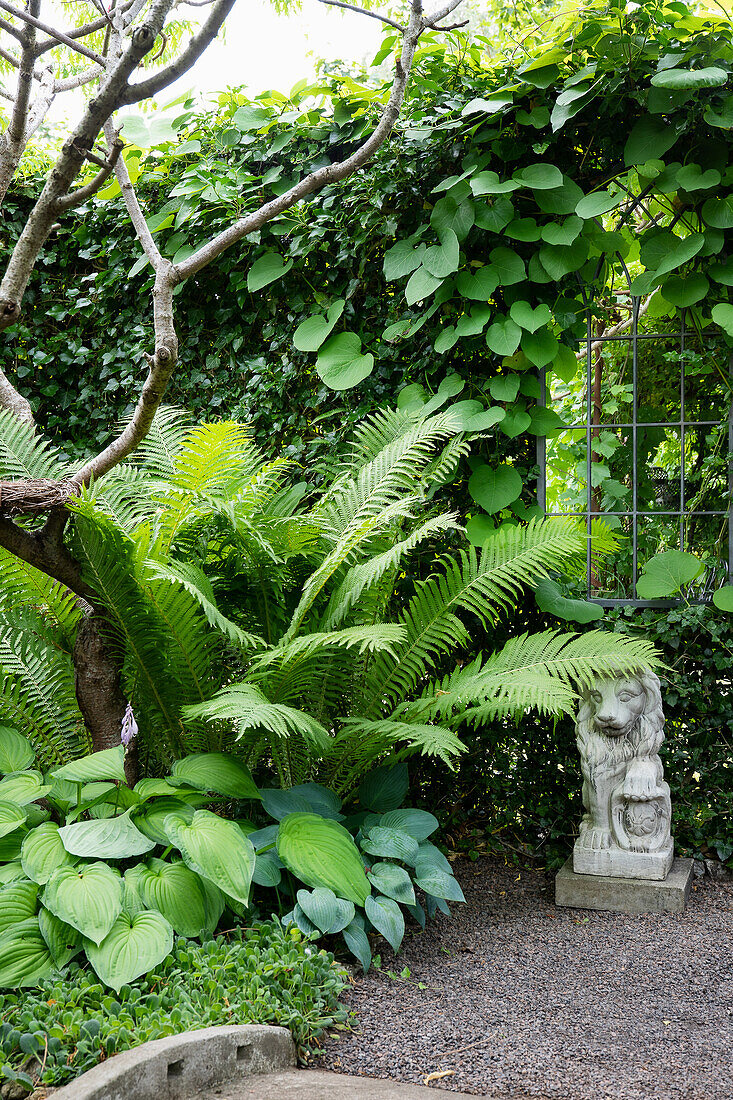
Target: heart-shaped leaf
{"points": [[685, 290], [322, 853], [43, 852], [420, 285], [176, 892], [504, 387], [495, 487], [386, 916], [24, 956], [540, 177], [16, 752], [216, 771], [390, 844], [393, 881], [216, 849], [152, 822], [690, 79], [108, 838], [507, 266], [17, 903], [107, 764], [340, 364], [442, 259], [503, 336], [310, 334], [327, 912], [666, 573], [62, 940], [89, 898], [665, 251], [718, 213], [550, 599], [528, 318], [649, 139], [23, 787], [437, 883], [597, 203], [384, 788], [722, 314], [266, 270], [12, 816], [402, 259], [723, 598], [133, 947], [478, 286], [488, 183], [479, 529]]}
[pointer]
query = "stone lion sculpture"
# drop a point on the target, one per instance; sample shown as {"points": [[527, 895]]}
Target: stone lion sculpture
{"points": [[625, 831]]}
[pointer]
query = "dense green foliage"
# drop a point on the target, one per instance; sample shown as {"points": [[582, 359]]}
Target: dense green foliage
{"points": [[260, 975]]}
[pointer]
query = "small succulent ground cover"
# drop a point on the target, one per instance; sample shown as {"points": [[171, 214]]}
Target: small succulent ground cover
{"points": [[259, 975]]}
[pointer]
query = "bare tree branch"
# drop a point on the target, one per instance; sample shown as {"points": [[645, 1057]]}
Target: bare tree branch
{"points": [[134, 210], [200, 42], [10, 29], [59, 36], [74, 198], [364, 11], [15, 135], [68, 83], [440, 13]]}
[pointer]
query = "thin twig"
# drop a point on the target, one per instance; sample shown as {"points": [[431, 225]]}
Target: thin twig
{"points": [[60, 36], [364, 11]]}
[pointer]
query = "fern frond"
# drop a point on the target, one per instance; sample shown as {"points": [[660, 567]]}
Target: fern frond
{"points": [[159, 450], [247, 705], [198, 585], [370, 638], [21, 585], [25, 454]]}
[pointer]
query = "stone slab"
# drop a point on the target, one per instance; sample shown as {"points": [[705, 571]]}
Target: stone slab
{"points": [[615, 862], [625, 895], [312, 1084], [181, 1066]]}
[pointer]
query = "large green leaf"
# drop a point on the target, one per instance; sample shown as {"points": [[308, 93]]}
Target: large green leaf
{"points": [[649, 139], [341, 364], [216, 771], [152, 822], [666, 573], [326, 911], [718, 213], [89, 898], [665, 251], [503, 336], [690, 79], [507, 266], [442, 259], [402, 259], [421, 285], [527, 318], [110, 838], [265, 270], [357, 942], [24, 956], [723, 598], [540, 347], [107, 764], [133, 947], [685, 290], [42, 852], [390, 844], [551, 600], [176, 892], [437, 883], [322, 853], [386, 916], [393, 881], [310, 334], [12, 816], [384, 788], [418, 823], [478, 286], [63, 941], [216, 849], [597, 203], [495, 488], [23, 787], [16, 752], [722, 314], [17, 903], [540, 177]]}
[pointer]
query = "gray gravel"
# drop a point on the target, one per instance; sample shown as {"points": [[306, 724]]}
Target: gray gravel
{"points": [[523, 1000]]}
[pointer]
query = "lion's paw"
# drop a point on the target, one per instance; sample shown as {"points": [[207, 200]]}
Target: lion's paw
{"points": [[592, 836]]}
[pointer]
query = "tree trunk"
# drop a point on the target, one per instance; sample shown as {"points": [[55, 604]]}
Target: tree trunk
{"points": [[102, 702]]}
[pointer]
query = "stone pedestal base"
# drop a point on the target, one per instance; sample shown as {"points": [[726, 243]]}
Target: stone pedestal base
{"points": [[625, 895], [618, 863]]}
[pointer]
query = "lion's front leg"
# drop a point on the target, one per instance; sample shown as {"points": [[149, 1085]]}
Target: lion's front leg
{"points": [[595, 828]]}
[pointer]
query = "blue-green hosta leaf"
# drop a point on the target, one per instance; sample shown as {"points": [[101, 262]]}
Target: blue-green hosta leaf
{"points": [[690, 79], [550, 599], [649, 139], [17, 903], [89, 898], [437, 883], [386, 916], [265, 270], [216, 849], [322, 853], [62, 940], [390, 843], [666, 573], [327, 912], [24, 956], [216, 771], [418, 823], [311, 333], [267, 870], [12, 816], [42, 852], [428, 853], [393, 881], [341, 364], [174, 890], [133, 947], [357, 942], [107, 764], [305, 798], [384, 788], [152, 822], [495, 488], [16, 752], [108, 838], [23, 787]]}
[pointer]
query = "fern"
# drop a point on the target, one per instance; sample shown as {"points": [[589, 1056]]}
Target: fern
{"points": [[25, 454]]}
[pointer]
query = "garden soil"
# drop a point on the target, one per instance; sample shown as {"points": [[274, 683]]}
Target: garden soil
{"points": [[512, 997]]}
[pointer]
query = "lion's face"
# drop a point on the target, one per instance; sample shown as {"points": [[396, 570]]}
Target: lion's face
{"points": [[616, 706]]}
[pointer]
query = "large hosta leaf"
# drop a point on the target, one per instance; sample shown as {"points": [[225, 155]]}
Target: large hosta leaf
{"points": [[42, 852], [152, 823], [393, 881], [384, 788], [133, 946], [176, 892], [88, 898], [12, 816], [63, 941], [327, 912], [322, 853], [418, 823], [110, 838], [107, 764], [23, 787], [24, 955], [16, 753], [216, 771], [17, 903], [386, 916], [216, 849]]}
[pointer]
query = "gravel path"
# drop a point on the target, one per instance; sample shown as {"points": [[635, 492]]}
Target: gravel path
{"points": [[523, 1000]]}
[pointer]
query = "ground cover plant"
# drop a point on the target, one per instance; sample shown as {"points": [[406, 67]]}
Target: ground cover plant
{"points": [[261, 975]]}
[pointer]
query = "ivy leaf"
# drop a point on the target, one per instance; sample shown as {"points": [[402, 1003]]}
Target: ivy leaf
{"points": [[649, 140], [495, 488], [690, 79], [503, 336], [310, 334], [666, 573], [340, 364], [550, 599], [266, 270]]}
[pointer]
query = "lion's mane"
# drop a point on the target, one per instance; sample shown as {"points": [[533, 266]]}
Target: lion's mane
{"points": [[601, 753]]}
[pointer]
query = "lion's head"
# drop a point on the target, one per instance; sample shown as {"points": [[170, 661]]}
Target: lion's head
{"points": [[620, 718]]}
